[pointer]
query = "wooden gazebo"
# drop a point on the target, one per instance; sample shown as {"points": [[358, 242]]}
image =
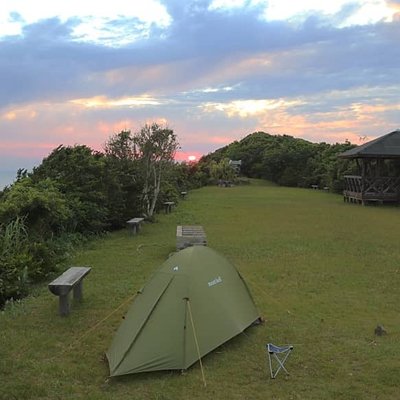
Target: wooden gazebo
{"points": [[379, 171]]}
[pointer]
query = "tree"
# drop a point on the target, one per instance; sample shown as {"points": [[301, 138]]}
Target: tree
{"points": [[81, 175], [43, 207], [222, 170], [120, 146], [123, 184], [154, 147]]}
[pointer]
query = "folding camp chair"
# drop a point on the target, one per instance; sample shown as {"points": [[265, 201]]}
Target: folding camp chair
{"points": [[280, 354]]}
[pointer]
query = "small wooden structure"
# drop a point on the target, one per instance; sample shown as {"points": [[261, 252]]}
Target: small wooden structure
{"points": [[190, 235], [379, 171], [168, 206], [134, 225], [236, 165], [71, 279]]}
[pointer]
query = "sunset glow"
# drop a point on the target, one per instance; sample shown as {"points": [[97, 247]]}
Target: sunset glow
{"points": [[214, 71]]}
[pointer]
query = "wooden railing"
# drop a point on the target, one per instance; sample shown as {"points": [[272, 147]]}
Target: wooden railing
{"points": [[373, 189]]}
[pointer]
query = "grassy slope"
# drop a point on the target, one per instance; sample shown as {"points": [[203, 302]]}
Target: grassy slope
{"points": [[323, 274]]}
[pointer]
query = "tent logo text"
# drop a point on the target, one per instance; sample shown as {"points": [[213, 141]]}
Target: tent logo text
{"points": [[215, 281]]}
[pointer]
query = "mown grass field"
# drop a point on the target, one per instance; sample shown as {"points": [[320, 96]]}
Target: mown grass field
{"points": [[323, 274]]}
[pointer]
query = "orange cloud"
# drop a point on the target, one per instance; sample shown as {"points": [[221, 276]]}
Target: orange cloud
{"points": [[245, 108], [347, 123], [395, 7], [104, 102], [20, 113]]}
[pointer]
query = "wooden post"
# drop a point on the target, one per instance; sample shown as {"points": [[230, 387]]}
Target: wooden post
{"points": [[63, 305], [363, 176], [78, 291]]}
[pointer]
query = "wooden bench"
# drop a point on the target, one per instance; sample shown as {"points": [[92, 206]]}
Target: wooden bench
{"points": [[190, 235], [183, 195], [168, 206], [72, 278], [134, 225], [315, 187]]}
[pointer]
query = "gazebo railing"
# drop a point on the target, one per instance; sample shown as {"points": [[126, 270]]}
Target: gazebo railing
{"points": [[385, 188]]}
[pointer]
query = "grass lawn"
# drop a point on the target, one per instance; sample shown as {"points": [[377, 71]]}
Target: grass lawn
{"points": [[323, 274]]}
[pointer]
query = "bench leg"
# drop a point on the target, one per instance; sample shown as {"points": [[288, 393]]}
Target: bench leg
{"points": [[63, 305], [133, 229], [78, 292]]}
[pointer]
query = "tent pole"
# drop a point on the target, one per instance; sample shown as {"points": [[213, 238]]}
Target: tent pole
{"points": [[196, 342]]}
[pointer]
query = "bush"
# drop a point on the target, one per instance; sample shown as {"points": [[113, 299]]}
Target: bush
{"points": [[45, 210], [14, 260], [80, 176], [24, 260]]}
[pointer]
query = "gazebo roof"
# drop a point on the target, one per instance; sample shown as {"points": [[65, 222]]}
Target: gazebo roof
{"points": [[386, 146]]}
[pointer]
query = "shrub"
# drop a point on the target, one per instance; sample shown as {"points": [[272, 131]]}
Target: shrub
{"points": [[43, 207], [14, 260]]}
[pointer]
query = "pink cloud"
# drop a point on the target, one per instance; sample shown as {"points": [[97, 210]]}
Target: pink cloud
{"points": [[26, 149]]}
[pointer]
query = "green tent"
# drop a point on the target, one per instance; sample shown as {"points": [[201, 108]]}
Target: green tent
{"points": [[195, 302]]}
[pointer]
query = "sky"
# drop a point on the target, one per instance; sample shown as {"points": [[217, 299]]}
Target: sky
{"points": [[77, 72]]}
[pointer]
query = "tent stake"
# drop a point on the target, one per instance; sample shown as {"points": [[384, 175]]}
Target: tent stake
{"points": [[196, 342]]}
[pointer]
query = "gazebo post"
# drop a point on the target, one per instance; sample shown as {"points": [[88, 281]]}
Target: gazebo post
{"points": [[364, 168]]}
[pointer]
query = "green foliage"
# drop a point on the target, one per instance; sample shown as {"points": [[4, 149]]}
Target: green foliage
{"points": [[221, 170], [185, 176], [123, 179], [81, 176], [285, 160], [14, 260], [62, 196], [76, 190], [43, 206], [120, 146], [154, 147], [25, 257]]}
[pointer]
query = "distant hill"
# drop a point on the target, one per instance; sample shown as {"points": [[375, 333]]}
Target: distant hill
{"points": [[287, 160]]}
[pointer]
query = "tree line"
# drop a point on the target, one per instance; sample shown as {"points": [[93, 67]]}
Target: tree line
{"points": [[77, 192], [285, 160]]}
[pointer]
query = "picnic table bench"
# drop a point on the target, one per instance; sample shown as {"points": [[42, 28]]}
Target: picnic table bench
{"points": [[183, 195], [71, 279], [168, 206], [190, 235], [134, 225]]}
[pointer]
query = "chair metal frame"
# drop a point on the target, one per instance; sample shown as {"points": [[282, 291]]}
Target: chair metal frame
{"points": [[274, 351]]}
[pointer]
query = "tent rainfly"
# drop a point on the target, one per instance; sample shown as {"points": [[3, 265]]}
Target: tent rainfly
{"points": [[194, 303]]}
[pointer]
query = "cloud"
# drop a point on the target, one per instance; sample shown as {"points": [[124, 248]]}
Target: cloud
{"points": [[213, 74], [106, 23], [200, 48], [104, 102]]}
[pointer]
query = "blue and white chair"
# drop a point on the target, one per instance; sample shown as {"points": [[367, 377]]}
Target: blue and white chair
{"points": [[277, 356]]}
